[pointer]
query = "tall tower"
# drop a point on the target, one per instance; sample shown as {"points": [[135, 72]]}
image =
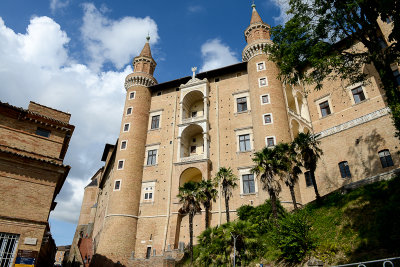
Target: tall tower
{"points": [[117, 241], [270, 119]]}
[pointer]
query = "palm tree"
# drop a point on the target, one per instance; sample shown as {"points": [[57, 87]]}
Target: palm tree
{"points": [[189, 197], [268, 166], [227, 180], [291, 167], [308, 148], [207, 193]]}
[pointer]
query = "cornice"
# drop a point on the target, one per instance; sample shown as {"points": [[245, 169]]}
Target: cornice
{"points": [[139, 81], [258, 25], [254, 49]]}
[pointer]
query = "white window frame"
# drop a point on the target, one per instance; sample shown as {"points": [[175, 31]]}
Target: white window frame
{"points": [[120, 184], [350, 88], [123, 127], [266, 141], [152, 147], [128, 114], [126, 145], [245, 171], [261, 99], [263, 64], [263, 119], [123, 164], [259, 82], [241, 94], [134, 95], [152, 114], [243, 131], [145, 186]]}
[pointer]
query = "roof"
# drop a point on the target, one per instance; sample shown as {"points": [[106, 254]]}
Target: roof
{"points": [[146, 51], [255, 17], [107, 148], [206, 74]]}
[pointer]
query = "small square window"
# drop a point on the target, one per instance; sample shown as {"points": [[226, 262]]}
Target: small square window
{"points": [[270, 142], [151, 157], [216, 80], [123, 145], [267, 118], [358, 94], [264, 99], [126, 127], [344, 169], [325, 109], [128, 111], [244, 143], [386, 158], [194, 114], [308, 176], [155, 122], [193, 149], [120, 164], [43, 132], [260, 66], [262, 82], [241, 104], [396, 74], [248, 184], [159, 93], [131, 95], [117, 185]]}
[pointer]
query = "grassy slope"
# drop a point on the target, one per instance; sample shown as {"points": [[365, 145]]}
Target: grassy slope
{"points": [[361, 225]]}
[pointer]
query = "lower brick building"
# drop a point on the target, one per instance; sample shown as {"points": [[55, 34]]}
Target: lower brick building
{"points": [[33, 144]]}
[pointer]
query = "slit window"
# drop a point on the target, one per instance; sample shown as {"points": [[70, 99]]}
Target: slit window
{"points": [[123, 145], [344, 169], [128, 111], [43, 132], [120, 164], [117, 185], [131, 95], [358, 94], [386, 158], [126, 127]]}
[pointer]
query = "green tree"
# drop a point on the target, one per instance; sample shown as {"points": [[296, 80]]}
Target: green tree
{"points": [[309, 152], [318, 44], [207, 194], [269, 165], [189, 198], [227, 180]]}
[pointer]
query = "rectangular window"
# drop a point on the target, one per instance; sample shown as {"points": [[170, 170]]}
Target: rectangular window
{"points": [[386, 158], [325, 110], [267, 118], [151, 157], [155, 122], [248, 183], [148, 252], [43, 132], [123, 145], [148, 196], [344, 169], [117, 185], [194, 114], [264, 99], [358, 94], [128, 111], [126, 127], [120, 164], [193, 149], [159, 93], [8, 245], [396, 74], [216, 80], [262, 82], [244, 142], [270, 142], [260, 66], [241, 104], [131, 95], [148, 193], [309, 181]]}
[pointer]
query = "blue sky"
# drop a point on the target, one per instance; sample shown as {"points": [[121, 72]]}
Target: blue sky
{"points": [[74, 56]]}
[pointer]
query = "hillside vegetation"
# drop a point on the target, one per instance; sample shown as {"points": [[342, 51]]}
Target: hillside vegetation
{"points": [[362, 225]]}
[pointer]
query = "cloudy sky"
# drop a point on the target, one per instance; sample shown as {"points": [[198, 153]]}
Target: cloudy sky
{"points": [[74, 56]]}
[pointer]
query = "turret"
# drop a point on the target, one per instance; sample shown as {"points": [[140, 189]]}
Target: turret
{"points": [[119, 233]]}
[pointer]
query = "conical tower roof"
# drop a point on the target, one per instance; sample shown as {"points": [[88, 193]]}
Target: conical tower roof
{"points": [[146, 51], [255, 17]]}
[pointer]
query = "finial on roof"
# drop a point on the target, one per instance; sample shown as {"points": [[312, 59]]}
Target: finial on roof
{"points": [[253, 5], [148, 37], [194, 72]]}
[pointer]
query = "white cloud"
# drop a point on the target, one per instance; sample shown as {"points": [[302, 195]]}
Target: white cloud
{"points": [[57, 4], [216, 55], [283, 7], [36, 65], [114, 40]]}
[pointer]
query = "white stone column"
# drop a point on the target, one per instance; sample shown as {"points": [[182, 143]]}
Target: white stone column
{"points": [[294, 93], [205, 143], [205, 100], [178, 154], [181, 111]]}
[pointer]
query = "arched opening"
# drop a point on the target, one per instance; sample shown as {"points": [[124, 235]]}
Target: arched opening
{"points": [[190, 175], [295, 128], [193, 105], [302, 106], [192, 142]]}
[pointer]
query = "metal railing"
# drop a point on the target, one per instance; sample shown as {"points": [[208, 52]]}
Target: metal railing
{"points": [[389, 262]]}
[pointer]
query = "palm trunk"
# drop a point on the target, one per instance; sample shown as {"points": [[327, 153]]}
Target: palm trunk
{"points": [[227, 207], [191, 236], [207, 217], [318, 197], [273, 204], [291, 187]]}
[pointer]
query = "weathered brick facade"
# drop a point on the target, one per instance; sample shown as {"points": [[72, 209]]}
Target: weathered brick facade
{"points": [[33, 143], [186, 129]]}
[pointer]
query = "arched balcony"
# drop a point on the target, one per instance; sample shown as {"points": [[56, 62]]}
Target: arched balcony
{"points": [[193, 107], [193, 144]]}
